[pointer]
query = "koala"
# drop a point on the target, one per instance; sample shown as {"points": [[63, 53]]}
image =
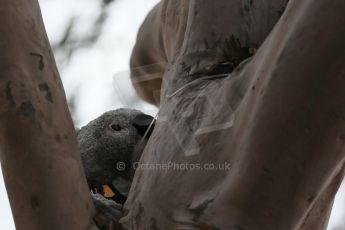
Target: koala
{"points": [[109, 147]]}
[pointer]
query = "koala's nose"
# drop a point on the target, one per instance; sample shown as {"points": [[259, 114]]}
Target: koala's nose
{"points": [[144, 124]]}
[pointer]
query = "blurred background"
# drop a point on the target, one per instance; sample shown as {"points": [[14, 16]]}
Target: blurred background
{"points": [[92, 42]]}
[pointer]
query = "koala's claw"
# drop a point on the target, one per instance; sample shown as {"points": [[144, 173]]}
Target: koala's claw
{"points": [[108, 212]]}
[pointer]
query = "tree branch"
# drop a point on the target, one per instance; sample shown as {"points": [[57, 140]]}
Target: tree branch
{"points": [[39, 152]]}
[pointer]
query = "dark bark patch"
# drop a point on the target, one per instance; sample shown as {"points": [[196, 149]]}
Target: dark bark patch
{"points": [[282, 10], [200, 209], [58, 138], [311, 199], [186, 68], [41, 62], [9, 95], [247, 5], [26, 109], [45, 88], [34, 201], [153, 224]]}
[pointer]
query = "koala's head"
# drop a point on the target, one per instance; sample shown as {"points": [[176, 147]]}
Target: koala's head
{"points": [[109, 147]]}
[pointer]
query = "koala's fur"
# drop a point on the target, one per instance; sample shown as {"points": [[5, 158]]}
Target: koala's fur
{"points": [[103, 148], [116, 136]]}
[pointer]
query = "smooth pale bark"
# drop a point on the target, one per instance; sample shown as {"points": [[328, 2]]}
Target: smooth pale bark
{"points": [[38, 148], [278, 120]]}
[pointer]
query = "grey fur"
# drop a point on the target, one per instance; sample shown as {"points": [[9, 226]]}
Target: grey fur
{"points": [[102, 148]]}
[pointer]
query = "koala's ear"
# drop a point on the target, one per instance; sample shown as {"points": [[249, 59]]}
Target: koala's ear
{"points": [[144, 124]]}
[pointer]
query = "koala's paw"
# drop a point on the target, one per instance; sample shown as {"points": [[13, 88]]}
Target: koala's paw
{"points": [[108, 212]]}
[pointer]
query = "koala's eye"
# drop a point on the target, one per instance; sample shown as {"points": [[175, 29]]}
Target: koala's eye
{"points": [[115, 127]]}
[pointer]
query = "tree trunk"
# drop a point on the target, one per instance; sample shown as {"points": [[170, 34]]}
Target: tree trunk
{"points": [[39, 152], [278, 119]]}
